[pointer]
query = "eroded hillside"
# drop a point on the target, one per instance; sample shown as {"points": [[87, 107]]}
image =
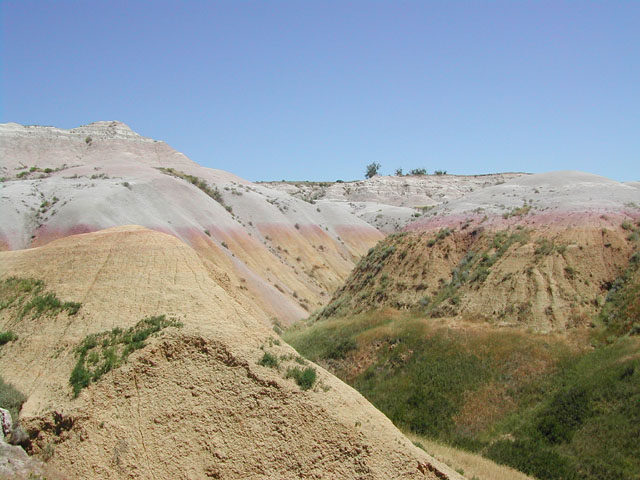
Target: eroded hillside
{"points": [[284, 254], [210, 393], [504, 323], [546, 267]]}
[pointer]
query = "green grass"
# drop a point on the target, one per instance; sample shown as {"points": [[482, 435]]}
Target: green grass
{"points": [[28, 296], [11, 399], [587, 425], [103, 352], [269, 360], [304, 377], [530, 401]]}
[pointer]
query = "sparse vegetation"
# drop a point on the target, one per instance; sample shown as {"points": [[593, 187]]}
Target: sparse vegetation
{"points": [[269, 360], [27, 295], [6, 337], [418, 171], [103, 352], [211, 191], [304, 377], [11, 398], [518, 211]]}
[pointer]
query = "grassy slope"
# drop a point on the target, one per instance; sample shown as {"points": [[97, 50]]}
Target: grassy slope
{"points": [[535, 402], [471, 465]]}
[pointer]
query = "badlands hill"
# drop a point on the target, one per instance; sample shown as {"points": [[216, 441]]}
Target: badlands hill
{"points": [[284, 254], [391, 202], [539, 251], [137, 292], [504, 322], [212, 394]]}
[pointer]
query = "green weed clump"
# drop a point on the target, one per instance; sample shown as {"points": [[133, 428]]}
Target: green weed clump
{"points": [[269, 360], [28, 295], [305, 378], [11, 398], [6, 337], [102, 352]]}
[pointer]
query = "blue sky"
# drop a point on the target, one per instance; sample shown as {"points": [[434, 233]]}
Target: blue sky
{"points": [[317, 90]]}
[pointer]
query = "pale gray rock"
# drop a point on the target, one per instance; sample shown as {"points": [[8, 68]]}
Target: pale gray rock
{"points": [[6, 423]]}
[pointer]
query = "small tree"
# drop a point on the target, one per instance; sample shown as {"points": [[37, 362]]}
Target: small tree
{"points": [[399, 172], [418, 171], [372, 170]]}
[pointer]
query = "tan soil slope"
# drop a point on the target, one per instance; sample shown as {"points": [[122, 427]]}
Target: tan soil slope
{"points": [[194, 403], [285, 253]]}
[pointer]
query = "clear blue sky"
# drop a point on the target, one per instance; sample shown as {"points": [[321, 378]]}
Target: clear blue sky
{"points": [[316, 90]]}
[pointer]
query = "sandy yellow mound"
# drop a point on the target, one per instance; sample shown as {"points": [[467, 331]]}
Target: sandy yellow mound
{"points": [[194, 402]]}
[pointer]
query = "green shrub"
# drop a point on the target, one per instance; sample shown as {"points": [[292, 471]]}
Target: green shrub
{"points": [[269, 360], [6, 337], [627, 225], [28, 294], [305, 378], [48, 303]]}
